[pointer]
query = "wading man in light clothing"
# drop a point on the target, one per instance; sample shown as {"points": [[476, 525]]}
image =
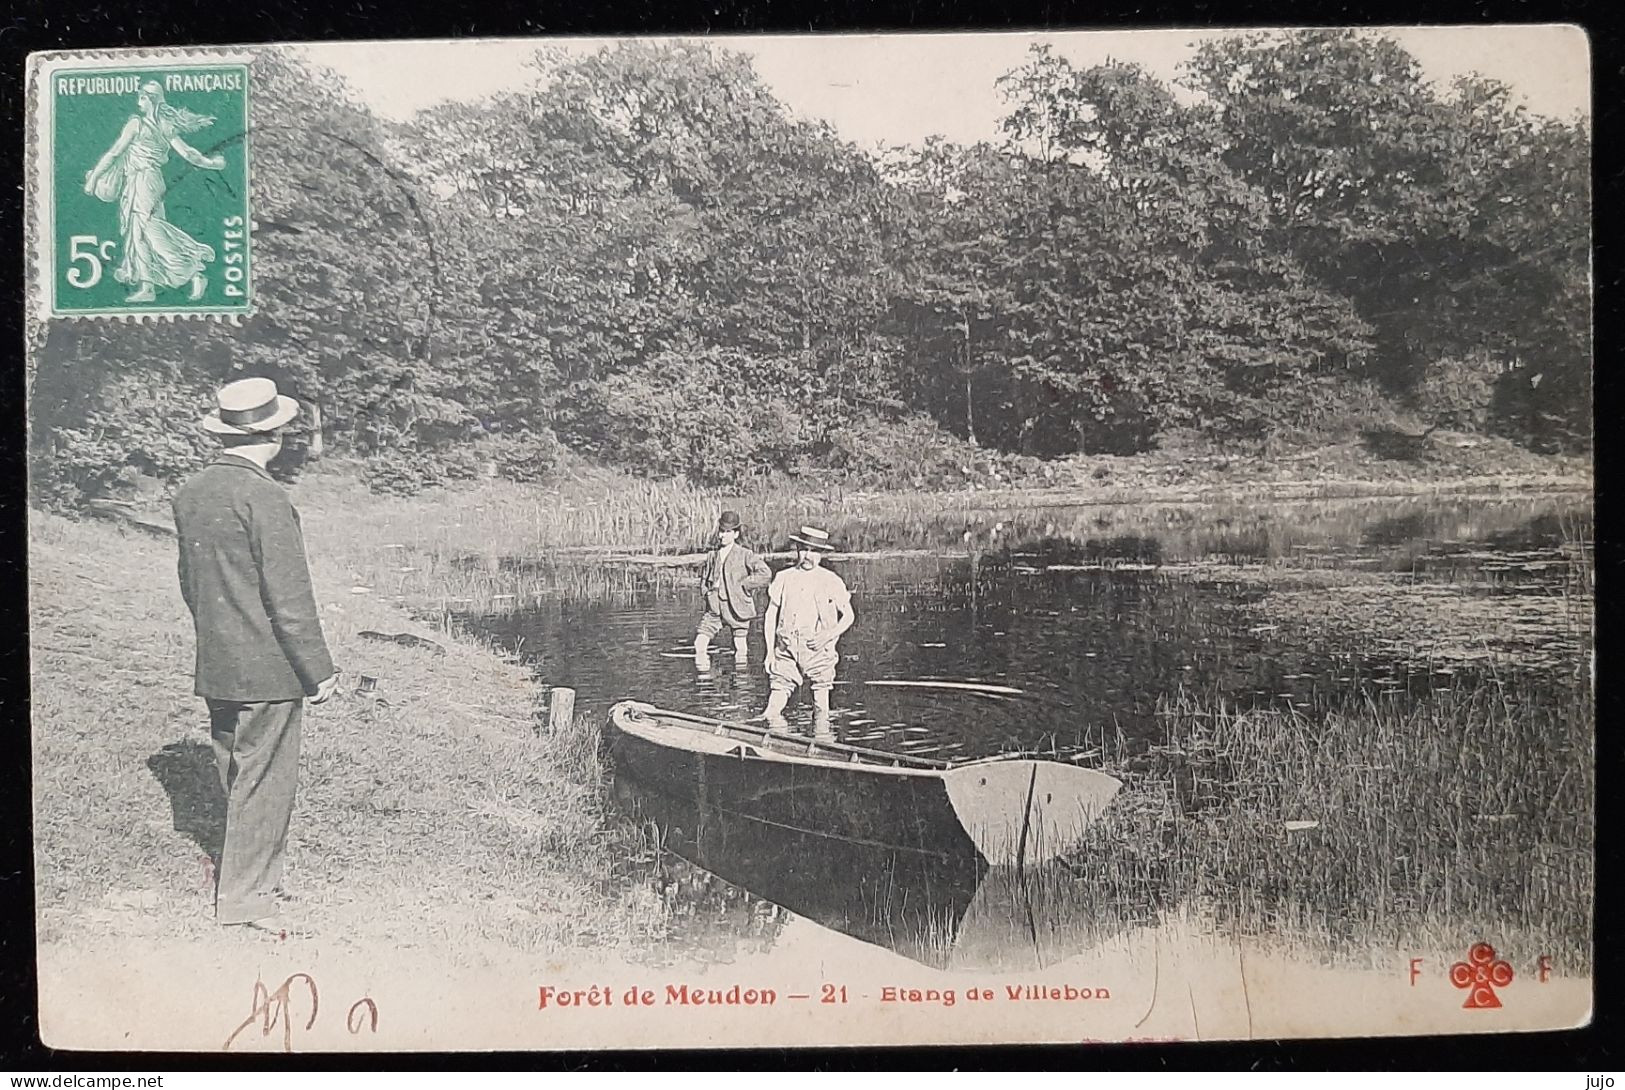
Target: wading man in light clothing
{"points": [[730, 576], [808, 610], [260, 650]]}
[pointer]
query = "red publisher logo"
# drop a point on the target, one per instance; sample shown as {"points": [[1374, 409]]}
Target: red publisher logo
{"points": [[1480, 975]]}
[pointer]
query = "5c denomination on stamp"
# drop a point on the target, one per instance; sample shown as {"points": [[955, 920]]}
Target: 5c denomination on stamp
{"points": [[144, 184]]}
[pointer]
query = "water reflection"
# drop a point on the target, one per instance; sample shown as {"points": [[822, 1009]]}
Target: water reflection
{"points": [[706, 920], [1248, 530], [944, 910], [1098, 615]]}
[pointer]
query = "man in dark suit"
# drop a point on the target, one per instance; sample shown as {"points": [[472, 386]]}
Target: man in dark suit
{"points": [[260, 650], [728, 576]]}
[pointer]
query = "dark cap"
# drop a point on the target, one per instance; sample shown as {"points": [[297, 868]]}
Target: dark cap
{"points": [[728, 521]]}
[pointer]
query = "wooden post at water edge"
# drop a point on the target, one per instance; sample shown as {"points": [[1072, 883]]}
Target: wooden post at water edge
{"points": [[561, 709]]}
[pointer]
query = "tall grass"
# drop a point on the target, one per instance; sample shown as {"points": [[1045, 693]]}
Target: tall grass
{"points": [[1413, 827], [600, 510], [593, 509], [1578, 528]]}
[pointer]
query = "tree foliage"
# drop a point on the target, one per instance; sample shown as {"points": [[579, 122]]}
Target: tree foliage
{"points": [[647, 258], [1454, 223]]}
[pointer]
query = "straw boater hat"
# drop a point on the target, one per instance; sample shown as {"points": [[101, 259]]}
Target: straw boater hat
{"points": [[813, 538], [248, 407]]}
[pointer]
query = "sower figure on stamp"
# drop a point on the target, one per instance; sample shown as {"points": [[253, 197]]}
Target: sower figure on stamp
{"points": [[260, 650], [730, 574], [808, 610], [156, 252]]}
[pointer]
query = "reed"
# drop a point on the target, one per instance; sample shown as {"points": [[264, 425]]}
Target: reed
{"points": [[587, 509], [591, 511], [1370, 824], [1579, 536]]}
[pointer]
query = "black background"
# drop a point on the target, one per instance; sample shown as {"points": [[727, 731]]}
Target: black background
{"points": [[32, 26]]}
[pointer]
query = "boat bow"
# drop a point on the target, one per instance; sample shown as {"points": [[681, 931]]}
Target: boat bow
{"points": [[1020, 811]]}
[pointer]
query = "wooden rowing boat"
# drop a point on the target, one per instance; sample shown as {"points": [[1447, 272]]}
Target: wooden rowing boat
{"points": [[1009, 811]]}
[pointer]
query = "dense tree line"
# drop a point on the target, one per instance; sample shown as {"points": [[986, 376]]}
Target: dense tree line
{"points": [[648, 259]]}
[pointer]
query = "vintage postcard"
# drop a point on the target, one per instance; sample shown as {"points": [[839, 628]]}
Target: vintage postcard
{"points": [[800, 541]]}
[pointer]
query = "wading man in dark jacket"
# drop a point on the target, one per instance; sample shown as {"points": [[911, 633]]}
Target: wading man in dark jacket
{"points": [[260, 651], [729, 575]]}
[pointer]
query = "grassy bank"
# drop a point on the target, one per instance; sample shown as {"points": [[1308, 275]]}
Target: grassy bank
{"points": [[1367, 833], [1373, 828], [587, 508], [431, 815]]}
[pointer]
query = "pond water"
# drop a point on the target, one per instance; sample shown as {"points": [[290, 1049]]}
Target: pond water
{"points": [[1063, 632], [1077, 621]]}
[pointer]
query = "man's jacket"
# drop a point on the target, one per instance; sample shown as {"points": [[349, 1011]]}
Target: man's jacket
{"points": [[244, 577], [741, 572]]}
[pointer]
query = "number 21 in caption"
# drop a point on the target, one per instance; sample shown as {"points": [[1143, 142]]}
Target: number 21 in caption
{"points": [[833, 994]]}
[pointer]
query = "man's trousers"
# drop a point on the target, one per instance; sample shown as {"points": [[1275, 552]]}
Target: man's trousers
{"points": [[256, 750]]}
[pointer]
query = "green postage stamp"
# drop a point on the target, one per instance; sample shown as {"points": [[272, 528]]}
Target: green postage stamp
{"points": [[144, 186]]}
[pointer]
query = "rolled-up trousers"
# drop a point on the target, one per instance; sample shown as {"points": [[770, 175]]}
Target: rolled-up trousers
{"points": [[256, 750]]}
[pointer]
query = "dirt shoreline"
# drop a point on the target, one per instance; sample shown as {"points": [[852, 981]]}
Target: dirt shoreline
{"points": [[432, 813]]}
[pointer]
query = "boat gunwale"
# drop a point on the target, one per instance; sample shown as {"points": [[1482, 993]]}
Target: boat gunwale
{"points": [[872, 760]]}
